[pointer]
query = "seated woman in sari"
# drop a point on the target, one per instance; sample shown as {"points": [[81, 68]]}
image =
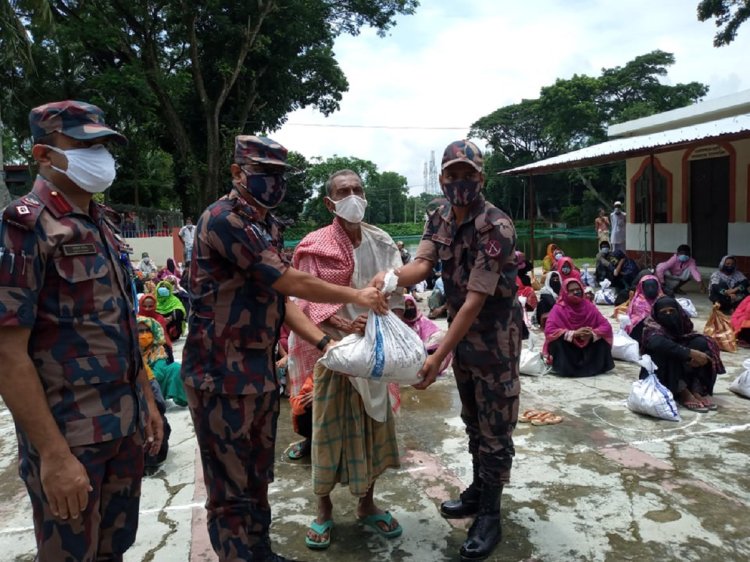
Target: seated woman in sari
{"points": [[554, 253], [687, 362], [147, 307], [430, 333], [577, 337], [625, 272], [171, 308], [728, 287], [741, 323], [167, 375], [567, 269], [646, 293]]}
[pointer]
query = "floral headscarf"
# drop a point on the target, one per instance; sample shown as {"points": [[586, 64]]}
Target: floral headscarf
{"points": [[156, 350]]}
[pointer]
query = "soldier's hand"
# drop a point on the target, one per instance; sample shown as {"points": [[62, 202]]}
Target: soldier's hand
{"points": [[66, 484], [378, 281], [154, 429], [428, 372], [372, 298]]}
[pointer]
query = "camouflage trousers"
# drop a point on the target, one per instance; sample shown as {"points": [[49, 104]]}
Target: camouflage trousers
{"points": [[485, 367], [236, 436], [107, 527]]}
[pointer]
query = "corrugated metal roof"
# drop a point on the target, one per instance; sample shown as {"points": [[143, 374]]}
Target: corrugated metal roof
{"points": [[730, 128]]}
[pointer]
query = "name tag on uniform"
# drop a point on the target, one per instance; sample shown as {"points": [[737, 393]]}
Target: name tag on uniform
{"points": [[441, 240], [79, 249]]}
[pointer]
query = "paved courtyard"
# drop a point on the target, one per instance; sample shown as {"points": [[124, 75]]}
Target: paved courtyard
{"points": [[604, 485]]}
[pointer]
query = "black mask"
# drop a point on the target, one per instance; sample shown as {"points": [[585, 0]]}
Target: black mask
{"points": [[672, 322], [555, 284], [410, 313], [728, 269], [651, 289]]}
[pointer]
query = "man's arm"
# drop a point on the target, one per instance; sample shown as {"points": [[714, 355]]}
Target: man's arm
{"points": [[64, 479], [301, 325], [415, 271], [456, 331], [303, 285]]}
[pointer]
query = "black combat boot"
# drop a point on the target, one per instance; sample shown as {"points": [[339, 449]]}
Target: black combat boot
{"points": [[467, 503], [262, 552], [486, 531]]}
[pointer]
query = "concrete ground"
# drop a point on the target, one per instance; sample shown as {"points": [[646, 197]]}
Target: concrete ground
{"points": [[604, 485]]}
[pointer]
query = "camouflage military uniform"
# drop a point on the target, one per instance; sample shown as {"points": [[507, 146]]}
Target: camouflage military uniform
{"points": [[61, 275], [228, 367], [479, 255]]}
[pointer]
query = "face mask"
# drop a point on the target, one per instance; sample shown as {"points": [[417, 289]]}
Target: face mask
{"points": [[575, 299], [683, 258], [92, 169], [618, 211], [462, 193], [351, 208], [162, 292], [728, 269], [147, 260], [672, 322], [651, 290], [145, 340], [410, 313], [558, 256], [565, 270], [268, 190], [605, 250], [555, 285]]}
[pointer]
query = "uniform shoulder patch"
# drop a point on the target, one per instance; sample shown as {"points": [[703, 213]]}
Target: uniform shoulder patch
{"points": [[23, 212]]}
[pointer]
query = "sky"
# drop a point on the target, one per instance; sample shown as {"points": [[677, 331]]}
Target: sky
{"points": [[439, 70]]}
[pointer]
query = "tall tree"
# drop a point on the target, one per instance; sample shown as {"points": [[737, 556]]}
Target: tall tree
{"points": [[573, 113], [203, 72], [15, 49], [729, 16]]}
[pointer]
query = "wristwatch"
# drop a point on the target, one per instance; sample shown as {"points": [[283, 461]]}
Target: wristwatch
{"points": [[321, 345]]}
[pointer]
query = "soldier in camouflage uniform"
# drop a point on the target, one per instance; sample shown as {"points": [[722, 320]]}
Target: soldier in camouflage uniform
{"points": [[72, 374], [475, 241], [238, 279]]}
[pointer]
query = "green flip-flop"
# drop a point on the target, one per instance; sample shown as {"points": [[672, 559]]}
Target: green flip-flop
{"points": [[373, 521], [319, 529], [299, 450]]}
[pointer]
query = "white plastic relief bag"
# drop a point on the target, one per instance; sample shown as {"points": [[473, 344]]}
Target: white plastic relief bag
{"points": [[688, 306], [648, 396], [624, 347], [531, 362], [741, 385], [389, 351], [605, 294]]}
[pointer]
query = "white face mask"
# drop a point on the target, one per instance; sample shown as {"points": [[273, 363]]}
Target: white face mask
{"points": [[92, 169], [351, 208]]}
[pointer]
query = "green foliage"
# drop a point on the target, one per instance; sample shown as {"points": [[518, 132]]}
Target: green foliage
{"points": [[729, 16], [298, 190], [185, 77], [573, 113]]}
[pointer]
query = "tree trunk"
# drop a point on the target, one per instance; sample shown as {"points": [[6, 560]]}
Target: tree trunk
{"points": [[4, 193], [588, 185]]}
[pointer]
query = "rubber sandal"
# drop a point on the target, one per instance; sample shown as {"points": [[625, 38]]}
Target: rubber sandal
{"points": [[320, 529], [529, 415], [299, 450], [712, 407], [548, 418], [695, 406], [373, 520]]}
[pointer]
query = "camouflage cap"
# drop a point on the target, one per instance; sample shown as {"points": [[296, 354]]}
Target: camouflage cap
{"points": [[462, 151], [75, 119], [251, 149]]}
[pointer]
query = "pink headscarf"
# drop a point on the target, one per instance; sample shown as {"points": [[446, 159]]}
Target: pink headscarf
{"points": [[429, 332], [571, 314], [575, 273], [640, 307]]}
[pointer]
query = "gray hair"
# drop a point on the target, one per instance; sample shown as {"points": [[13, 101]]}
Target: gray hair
{"points": [[334, 175]]}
